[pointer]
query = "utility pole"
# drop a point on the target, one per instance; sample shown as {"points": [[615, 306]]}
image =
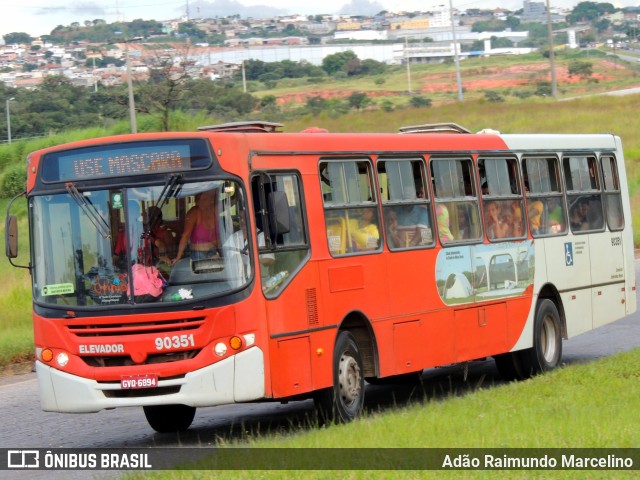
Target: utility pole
{"points": [[244, 79], [95, 79], [132, 103], [552, 62], [9, 120], [406, 59], [455, 51]]}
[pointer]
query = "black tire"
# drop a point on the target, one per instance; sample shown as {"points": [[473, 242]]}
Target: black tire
{"points": [[343, 402], [169, 418], [546, 352], [509, 366]]}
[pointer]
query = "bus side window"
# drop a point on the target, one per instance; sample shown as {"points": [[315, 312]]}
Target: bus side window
{"points": [[456, 200], [502, 198], [613, 199], [545, 206], [406, 204], [583, 193], [351, 216]]}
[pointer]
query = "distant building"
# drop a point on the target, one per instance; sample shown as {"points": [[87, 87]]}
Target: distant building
{"points": [[533, 9]]}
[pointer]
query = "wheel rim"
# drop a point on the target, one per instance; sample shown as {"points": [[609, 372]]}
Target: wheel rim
{"points": [[548, 339], [349, 379]]}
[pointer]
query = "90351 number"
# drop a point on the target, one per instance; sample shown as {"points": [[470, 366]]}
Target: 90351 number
{"points": [[175, 341]]}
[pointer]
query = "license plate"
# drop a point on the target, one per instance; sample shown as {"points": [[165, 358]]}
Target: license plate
{"points": [[130, 382]]}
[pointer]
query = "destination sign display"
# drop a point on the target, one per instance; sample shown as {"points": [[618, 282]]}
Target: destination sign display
{"points": [[125, 159]]}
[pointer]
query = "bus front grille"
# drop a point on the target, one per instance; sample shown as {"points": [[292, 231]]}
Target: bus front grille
{"points": [[117, 329], [142, 392], [126, 360]]}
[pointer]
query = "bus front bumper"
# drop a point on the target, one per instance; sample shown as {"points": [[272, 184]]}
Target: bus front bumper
{"points": [[239, 378]]}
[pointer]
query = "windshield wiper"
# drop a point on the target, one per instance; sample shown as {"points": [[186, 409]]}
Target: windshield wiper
{"points": [[90, 210], [171, 189]]}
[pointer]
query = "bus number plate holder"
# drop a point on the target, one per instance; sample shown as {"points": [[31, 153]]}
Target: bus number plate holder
{"points": [[131, 382]]}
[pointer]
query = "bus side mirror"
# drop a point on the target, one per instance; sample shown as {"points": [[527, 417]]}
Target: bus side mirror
{"points": [[279, 212], [11, 236]]}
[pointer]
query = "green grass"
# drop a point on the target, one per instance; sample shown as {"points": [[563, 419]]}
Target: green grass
{"points": [[591, 405], [16, 334]]}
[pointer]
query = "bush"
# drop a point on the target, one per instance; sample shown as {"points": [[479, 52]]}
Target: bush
{"points": [[5, 157], [14, 180], [388, 106], [494, 97], [418, 101]]}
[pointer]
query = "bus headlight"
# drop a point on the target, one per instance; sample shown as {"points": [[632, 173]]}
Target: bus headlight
{"points": [[220, 349], [62, 359]]}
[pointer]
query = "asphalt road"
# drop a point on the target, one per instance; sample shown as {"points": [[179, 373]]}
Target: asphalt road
{"points": [[24, 425]]}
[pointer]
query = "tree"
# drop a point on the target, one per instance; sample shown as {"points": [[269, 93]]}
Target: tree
{"points": [[493, 97], [268, 101], [316, 104], [358, 100], [589, 11], [418, 101], [494, 25], [17, 37], [580, 69], [190, 29], [512, 22], [337, 61], [168, 82]]}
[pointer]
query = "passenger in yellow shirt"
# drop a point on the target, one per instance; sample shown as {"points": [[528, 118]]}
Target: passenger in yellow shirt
{"points": [[363, 232], [534, 209]]}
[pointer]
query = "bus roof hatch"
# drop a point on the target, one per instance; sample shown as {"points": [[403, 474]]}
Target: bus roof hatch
{"points": [[245, 127], [434, 128]]}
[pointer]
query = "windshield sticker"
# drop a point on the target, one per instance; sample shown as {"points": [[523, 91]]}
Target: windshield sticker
{"points": [[57, 289], [107, 288]]}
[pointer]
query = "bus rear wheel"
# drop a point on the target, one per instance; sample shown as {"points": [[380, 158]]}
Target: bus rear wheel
{"points": [[169, 418], [546, 352], [343, 402]]}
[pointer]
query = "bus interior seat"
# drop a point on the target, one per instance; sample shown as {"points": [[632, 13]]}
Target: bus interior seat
{"points": [[337, 235]]}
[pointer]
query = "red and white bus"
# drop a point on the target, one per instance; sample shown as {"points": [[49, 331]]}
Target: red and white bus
{"points": [[332, 259]]}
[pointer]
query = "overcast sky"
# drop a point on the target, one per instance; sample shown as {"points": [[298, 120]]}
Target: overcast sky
{"points": [[38, 17]]}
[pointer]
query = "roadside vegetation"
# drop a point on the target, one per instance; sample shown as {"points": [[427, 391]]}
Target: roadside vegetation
{"points": [[508, 94], [602, 114], [571, 407]]}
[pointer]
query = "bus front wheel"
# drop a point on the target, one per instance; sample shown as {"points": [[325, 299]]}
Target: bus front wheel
{"points": [[169, 418], [343, 402], [546, 352]]}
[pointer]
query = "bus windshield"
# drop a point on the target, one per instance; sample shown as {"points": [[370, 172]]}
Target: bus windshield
{"points": [[98, 248]]}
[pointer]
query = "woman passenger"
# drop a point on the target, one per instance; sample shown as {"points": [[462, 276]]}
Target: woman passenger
{"points": [[201, 229]]}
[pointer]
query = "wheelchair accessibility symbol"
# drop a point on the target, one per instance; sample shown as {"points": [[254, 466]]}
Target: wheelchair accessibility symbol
{"points": [[568, 254]]}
